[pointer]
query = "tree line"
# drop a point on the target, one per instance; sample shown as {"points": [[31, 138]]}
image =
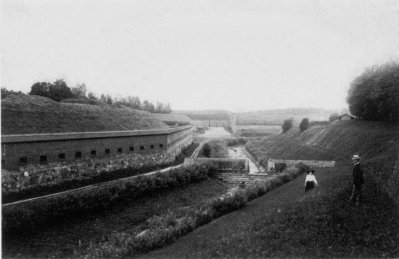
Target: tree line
{"points": [[60, 91], [374, 95]]}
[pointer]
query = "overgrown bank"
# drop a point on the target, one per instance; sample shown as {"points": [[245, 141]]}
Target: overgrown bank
{"points": [[164, 229]]}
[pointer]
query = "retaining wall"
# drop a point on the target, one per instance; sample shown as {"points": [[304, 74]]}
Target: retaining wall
{"points": [[291, 163]]}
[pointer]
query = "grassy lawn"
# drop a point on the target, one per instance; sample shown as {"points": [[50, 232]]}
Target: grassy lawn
{"points": [[287, 222], [62, 240]]}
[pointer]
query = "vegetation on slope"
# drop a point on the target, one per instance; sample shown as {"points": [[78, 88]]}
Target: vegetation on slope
{"points": [[337, 141], [24, 114], [374, 95]]}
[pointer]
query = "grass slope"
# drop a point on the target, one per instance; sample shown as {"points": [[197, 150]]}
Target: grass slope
{"points": [[337, 141], [290, 223], [27, 114]]}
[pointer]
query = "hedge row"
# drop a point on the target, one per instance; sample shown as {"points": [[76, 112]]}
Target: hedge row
{"points": [[37, 213], [164, 229], [58, 185]]}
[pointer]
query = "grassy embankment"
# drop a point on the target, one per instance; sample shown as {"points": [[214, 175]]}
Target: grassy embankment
{"points": [[323, 222], [28, 114]]}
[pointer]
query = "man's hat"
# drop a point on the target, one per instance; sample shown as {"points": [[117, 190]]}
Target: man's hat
{"points": [[356, 157]]}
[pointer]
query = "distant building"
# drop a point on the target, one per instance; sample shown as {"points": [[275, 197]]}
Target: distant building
{"points": [[347, 117]]}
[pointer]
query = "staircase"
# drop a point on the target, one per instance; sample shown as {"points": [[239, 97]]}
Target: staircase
{"points": [[234, 179]]}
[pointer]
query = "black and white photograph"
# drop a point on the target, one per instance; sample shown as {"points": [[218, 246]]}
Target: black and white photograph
{"points": [[199, 129]]}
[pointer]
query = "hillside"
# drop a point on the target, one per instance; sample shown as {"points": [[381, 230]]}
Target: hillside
{"points": [[169, 117], [338, 141], [277, 116], [27, 114]]}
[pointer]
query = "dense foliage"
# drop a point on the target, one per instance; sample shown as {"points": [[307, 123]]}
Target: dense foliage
{"points": [[374, 95], [287, 125], [304, 124]]}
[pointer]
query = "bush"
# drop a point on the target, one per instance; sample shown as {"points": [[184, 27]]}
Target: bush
{"points": [[279, 167], [206, 150], [287, 125], [304, 125]]}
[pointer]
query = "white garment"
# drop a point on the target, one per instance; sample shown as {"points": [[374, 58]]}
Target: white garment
{"points": [[310, 178]]}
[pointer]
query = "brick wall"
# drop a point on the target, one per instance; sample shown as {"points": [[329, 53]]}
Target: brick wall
{"points": [[19, 151]]}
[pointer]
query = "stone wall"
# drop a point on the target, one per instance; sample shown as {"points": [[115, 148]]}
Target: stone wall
{"points": [[21, 151], [221, 164], [291, 163]]}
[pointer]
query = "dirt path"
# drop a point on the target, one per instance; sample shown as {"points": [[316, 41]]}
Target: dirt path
{"points": [[191, 245]]}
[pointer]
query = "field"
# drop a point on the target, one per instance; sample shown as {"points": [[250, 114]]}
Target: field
{"points": [[28, 114]]}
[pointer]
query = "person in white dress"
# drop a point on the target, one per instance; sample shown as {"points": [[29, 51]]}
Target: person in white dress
{"points": [[310, 181]]}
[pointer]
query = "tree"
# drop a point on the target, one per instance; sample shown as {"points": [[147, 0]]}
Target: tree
{"points": [[5, 92], [304, 125], [40, 88], [333, 117], [59, 90], [374, 95], [287, 125], [79, 91]]}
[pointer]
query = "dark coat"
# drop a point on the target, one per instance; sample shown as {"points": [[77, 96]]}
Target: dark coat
{"points": [[357, 175]]}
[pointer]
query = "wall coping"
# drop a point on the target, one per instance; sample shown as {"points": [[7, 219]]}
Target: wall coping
{"points": [[21, 138]]}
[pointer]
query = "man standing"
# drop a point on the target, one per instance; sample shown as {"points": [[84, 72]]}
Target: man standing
{"points": [[357, 175]]}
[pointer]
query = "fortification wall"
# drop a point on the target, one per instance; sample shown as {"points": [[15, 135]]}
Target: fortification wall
{"points": [[21, 151], [291, 163]]}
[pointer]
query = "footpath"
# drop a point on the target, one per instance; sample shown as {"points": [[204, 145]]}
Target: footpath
{"points": [[192, 244]]}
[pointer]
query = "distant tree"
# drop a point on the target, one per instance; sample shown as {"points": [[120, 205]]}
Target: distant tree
{"points": [[40, 88], [304, 125], [5, 92], [333, 117], [59, 90], [374, 95], [159, 108], [167, 108], [103, 98], [287, 125], [79, 91], [92, 96], [108, 99]]}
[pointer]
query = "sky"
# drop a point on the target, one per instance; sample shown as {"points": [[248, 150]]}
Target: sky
{"points": [[237, 55]]}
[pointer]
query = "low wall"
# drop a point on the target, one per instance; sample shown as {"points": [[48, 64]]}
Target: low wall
{"points": [[221, 164], [291, 163]]}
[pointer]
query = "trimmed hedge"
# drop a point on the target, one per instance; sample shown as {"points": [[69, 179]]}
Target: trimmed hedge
{"points": [[162, 230], [37, 213]]}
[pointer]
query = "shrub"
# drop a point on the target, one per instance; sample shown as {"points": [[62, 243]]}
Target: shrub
{"points": [[287, 125], [279, 167], [304, 125], [206, 150]]}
